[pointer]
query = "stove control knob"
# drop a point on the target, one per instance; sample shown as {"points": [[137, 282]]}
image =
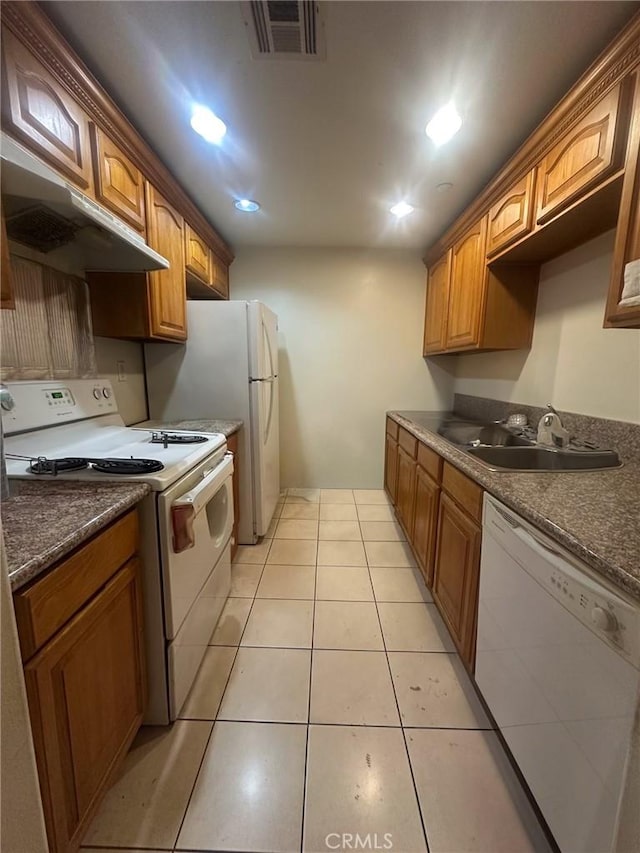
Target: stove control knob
{"points": [[604, 619], [106, 393], [96, 393], [6, 400]]}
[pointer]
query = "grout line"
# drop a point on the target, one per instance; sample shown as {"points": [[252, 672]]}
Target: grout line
{"points": [[404, 737], [300, 723], [306, 749], [213, 722]]}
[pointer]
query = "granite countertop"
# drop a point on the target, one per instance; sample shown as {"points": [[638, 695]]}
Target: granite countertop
{"points": [[595, 515], [42, 522], [226, 427]]}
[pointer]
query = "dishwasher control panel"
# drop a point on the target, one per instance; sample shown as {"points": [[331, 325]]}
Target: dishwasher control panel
{"points": [[580, 590]]}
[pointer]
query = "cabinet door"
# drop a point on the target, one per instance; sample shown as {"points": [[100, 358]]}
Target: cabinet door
{"points": [[86, 690], [119, 185], [585, 155], [457, 568], [435, 318], [219, 276], [425, 522], [391, 467], [167, 289], [39, 112], [198, 258], [466, 290], [626, 314], [406, 489], [511, 217], [6, 292]]}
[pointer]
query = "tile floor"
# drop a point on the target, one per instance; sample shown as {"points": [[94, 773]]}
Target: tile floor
{"points": [[330, 703]]}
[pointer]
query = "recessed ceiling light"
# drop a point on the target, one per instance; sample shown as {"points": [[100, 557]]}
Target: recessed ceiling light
{"points": [[445, 124], [444, 187], [247, 205], [401, 209], [207, 124]]}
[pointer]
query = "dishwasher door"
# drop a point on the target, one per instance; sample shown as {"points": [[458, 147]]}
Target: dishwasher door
{"points": [[557, 664]]}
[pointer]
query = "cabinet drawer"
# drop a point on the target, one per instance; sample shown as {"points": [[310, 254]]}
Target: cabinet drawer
{"points": [[464, 491], [392, 428], [44, 607], [408, 442], [430, 461]]}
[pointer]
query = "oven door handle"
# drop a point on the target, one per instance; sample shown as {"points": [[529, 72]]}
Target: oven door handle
{"points": [[198, 497]]}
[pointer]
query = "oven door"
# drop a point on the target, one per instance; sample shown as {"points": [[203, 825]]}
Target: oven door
{"points": [[195, 520]]}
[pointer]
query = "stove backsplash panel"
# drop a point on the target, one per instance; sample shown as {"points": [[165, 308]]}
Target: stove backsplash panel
{"points": [[49, 335]]}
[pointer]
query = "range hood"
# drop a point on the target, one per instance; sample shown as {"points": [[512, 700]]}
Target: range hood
{"points": [[45, 212]]}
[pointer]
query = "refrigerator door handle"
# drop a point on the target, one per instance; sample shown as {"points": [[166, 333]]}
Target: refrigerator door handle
{"points": [[270, 379], [267, 428]]}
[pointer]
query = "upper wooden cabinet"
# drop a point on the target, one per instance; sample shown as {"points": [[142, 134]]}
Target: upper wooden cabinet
{"points": [[219, 275], [625, 312], [119, 185], [38, 110], [197, 255], [511, 217], [586, 155], [466, 288], [575, 177], [147, 306], [435, 320], [167, 296]]}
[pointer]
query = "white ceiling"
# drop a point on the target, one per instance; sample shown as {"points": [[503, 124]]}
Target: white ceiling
{"points": [[326, 147]]}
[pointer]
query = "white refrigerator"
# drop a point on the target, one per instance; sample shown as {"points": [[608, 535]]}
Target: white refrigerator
{"points": [[228, 368]]}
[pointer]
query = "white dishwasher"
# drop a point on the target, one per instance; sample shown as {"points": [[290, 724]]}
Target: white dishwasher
{"points": [[558, 660]]}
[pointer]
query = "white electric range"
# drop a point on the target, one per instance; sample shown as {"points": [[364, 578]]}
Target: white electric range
{"points": [[71, 430]]}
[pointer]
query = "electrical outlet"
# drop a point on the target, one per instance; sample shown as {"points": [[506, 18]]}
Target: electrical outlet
{"points": [[122, 374]]}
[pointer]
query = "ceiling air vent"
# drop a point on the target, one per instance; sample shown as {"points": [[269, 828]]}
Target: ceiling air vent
{"points": [[285, 29]]}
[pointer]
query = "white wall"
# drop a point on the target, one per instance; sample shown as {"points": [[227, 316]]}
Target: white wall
{"points": [[350, 348], [128, 384], [573, 363]]}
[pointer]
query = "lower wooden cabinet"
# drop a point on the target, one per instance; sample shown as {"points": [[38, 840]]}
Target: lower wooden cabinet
{"points": [[425, 519], [406, 494], [391, 460], [86, 686], [391, 467], [456, 575]]}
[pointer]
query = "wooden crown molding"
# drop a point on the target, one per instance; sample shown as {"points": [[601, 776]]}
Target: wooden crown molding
{"points": [[31, 25], [615, 63]]}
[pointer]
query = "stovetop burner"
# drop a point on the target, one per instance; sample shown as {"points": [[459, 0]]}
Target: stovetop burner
{"points": [[42, 465], [127, 466], [167, 438]]}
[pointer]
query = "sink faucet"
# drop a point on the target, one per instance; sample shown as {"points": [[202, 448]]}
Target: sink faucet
{"points": [[551, 431]]}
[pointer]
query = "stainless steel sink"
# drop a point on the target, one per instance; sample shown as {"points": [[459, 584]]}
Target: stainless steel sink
{"points": [[466, 433], [537, 458]]}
